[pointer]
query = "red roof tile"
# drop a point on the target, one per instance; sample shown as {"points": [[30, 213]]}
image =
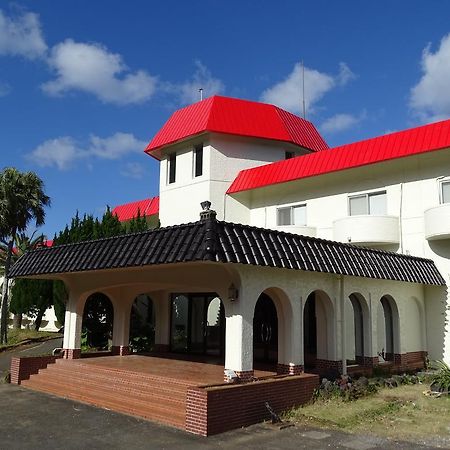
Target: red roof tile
{"points": [[422, 139], [238, 117], [147, 207]]}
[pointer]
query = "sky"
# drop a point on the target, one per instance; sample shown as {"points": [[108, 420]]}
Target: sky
{"points": [[85, 85]]}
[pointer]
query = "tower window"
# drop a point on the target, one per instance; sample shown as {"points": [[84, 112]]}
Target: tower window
{"points": [[198, 160], [172, 167], [289, 155]]}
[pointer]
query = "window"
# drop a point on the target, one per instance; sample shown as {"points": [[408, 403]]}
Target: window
{"points": [[445, 191], [292, 215], [289, 155], [198, 160], [172, 167], [368, 204]]}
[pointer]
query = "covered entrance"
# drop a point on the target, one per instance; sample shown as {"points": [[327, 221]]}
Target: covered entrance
{"points": [[197, 324]]}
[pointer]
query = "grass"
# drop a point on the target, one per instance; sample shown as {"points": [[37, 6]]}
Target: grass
{"points": [[16, 337], [403, 413]]}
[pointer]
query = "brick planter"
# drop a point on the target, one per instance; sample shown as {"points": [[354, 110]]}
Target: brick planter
{"points": [[22, 368], [215, 409]]}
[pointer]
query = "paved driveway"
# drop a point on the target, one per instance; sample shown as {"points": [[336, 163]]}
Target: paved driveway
{"points": [[31, 420], [37, 348]]}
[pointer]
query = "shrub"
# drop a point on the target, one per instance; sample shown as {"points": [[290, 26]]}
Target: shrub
{"points": [[440, 381]]}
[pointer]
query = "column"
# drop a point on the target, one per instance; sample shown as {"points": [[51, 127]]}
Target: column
{"points": [[239, 340], [72, 327], [121, 328]]}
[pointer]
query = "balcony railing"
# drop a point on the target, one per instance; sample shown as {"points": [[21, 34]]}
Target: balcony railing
{"points": [[437, 222], [367, 230]]}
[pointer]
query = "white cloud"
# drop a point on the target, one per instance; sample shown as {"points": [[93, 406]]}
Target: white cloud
{"points": [[93, 69], [345, 74], [63, 152], [341, 122], [133, 170], [188, 92], [430, 97], [21, 35], [288, 93]]}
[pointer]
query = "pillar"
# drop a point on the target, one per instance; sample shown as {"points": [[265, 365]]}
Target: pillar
{"points": [[72, 326], [239, 338], [121, 327]]}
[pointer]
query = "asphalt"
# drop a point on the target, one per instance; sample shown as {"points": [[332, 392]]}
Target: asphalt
{"points": [[33, 349], [30, 420]]}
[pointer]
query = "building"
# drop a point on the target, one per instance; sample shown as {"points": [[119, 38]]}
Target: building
{"points": [[306, 259]]}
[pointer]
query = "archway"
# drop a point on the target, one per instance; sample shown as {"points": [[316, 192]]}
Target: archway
{"points": [[265, 331], [318, 330], [357, 328], [142, 324], [388, 328], [98, 320]]}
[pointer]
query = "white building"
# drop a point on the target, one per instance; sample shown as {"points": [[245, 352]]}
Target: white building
{"points": [[263, 167]]}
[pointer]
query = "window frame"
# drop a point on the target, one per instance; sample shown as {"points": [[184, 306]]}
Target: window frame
{"points": [[441, 190], [291, 210], [367, 196], [198, 149], [171, 168]]}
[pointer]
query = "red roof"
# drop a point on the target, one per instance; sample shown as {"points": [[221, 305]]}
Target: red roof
{"points": [[147, 207], [422, 139], [238, 117]]}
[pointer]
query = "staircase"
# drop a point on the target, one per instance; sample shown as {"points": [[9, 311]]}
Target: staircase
{"points": [[150, 396]]}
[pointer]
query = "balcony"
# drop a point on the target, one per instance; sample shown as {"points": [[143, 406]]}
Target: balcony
{"points": [[367, 230], [297, 229], [437, 222]]}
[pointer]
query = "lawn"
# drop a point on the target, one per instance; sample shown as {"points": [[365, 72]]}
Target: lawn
{"points": [[16, 337], [402, 413]]}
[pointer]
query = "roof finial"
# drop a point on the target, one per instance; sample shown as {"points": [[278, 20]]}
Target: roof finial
{"points": [[303, 89], [201, 93]]}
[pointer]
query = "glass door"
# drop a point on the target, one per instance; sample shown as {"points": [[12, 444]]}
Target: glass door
{"points": [[179, 341], [215, 329]]}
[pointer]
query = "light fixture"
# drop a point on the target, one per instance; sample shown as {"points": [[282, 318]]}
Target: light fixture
{"points": [[233, 293]]}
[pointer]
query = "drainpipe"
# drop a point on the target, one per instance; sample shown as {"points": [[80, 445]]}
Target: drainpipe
{"points": [[343, 335], [400, 219]]}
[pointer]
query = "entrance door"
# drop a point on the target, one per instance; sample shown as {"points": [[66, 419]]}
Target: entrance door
{"points": [[197, 324], [265, 331]]}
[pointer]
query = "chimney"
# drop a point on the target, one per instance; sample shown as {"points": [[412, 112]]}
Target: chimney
{"points": [[207, 213]]}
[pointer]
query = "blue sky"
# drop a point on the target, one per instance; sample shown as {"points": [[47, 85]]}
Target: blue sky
{"points": [[84, 85]]}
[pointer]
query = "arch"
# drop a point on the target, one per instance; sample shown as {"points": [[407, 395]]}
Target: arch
{"points": [[142, 323], [319, 330], [357, 328], [276, 321], [388, 328], [97, 323]]}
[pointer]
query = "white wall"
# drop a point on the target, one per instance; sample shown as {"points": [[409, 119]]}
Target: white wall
{"points": [[223, 157], [412, 187]]}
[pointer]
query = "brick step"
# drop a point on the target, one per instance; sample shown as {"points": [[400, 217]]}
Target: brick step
{"points": [[125, 374], [105, 389], [118, 402], [162, 386]]}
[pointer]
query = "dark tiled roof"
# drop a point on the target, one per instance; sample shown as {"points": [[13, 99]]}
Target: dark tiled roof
{"points": [[211, 240]]}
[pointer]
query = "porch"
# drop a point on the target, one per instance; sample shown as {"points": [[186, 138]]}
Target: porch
{"points": [[167, 390]]}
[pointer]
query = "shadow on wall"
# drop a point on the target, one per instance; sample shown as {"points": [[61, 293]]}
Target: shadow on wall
{"points": [[437, 322], [441, 248]]}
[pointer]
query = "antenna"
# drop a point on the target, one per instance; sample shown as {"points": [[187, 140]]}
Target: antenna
{"points": [[201, 93], [303, 89]]}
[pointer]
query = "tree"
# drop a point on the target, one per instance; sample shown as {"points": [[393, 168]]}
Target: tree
{"points": [[22, 244], [31, 297], [22, 200]]}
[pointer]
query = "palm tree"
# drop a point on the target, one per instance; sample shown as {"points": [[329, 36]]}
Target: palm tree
{"points": [[22, 200], [22, 244]]}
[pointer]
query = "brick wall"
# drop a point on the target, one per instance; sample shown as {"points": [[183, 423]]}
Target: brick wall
{"points": [[213, 410], [22, 368]]}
